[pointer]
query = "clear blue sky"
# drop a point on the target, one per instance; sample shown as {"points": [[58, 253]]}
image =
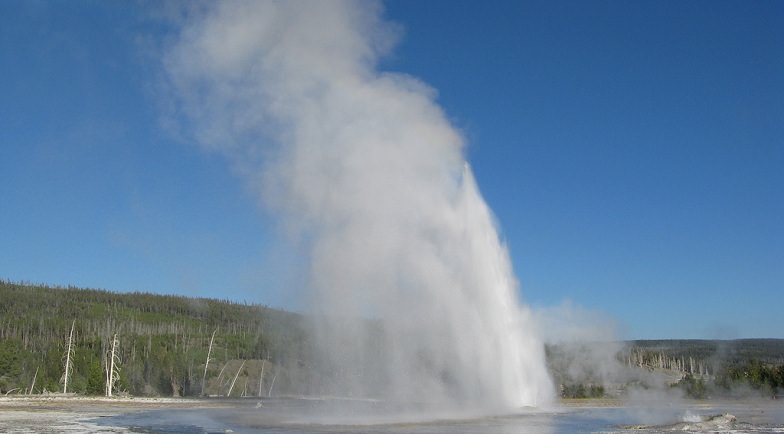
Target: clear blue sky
{"points": [[633, 153]]}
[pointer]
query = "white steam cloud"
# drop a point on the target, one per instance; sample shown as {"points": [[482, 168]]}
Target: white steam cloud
{"points": [[370, 178]]}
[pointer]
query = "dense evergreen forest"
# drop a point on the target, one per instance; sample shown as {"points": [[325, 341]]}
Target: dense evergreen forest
{"points": [[711, 368], [698, 368], [96, 342], [162, 343]]}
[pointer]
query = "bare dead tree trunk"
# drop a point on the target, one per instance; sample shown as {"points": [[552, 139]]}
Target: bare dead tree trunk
{"points": [[220, 375], [30, 392], [207, 363], [261, 376], [112, 367], [235, 378], [69, 350], [272, 384]]}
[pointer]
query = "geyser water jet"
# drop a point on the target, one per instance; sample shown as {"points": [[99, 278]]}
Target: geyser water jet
{"points": [[370, 178]]}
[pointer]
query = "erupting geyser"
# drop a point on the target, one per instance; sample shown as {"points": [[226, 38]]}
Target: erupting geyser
{"points": [[368, 175]]}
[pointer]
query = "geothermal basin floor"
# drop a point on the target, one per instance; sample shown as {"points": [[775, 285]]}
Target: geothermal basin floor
{"points": [[292, 415]]}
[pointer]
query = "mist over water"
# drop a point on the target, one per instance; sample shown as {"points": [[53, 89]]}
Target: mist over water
{"points": [[369, 179]]}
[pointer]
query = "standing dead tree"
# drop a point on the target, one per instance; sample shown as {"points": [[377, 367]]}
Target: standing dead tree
{"points": [[272, 384], [261, 376], [68, 356], [235, 378], [32, 386], [112, 366], [207, 363]]}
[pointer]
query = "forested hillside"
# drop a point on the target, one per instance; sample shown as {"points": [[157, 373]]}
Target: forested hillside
{"points": [[731, 351], [162, 343], [714, 367], [700, 368]]}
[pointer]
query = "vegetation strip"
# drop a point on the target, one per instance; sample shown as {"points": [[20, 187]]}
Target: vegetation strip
{"points": [[96, 342]]}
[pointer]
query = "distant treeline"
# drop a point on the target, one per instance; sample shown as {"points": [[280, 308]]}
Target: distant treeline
{"points": [[724, 351], [163, 343], [717, 367], [701, 368]]}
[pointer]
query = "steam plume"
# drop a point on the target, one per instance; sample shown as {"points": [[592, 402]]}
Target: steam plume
{"points": [[370, 177]]}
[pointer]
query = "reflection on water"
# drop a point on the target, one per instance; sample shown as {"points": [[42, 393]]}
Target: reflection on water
{"points": [[324, 416]]}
